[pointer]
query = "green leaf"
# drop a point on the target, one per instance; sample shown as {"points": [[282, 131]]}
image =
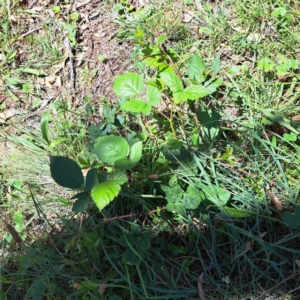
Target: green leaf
{"points": [[172, 81], [290, 220], [2, 294], [297, 213], [104, 193], [292, 64], [209, 119], [18, 219], [136, 106], [154, 61], [216, 64], [26, 143], [125, 164], [161, 39], [11, 55], [237, 213], [118, 177], [281, 70], [174, 194], [176, 155], [136, 152], [13, 80], [279, 12], [179, 209], [193, 92], [292, 137], [38, 287], [66, 172], [139, 32], [215, 194], [44, 126], [31, 71], [174, 144], [191, 199], [131, 258], [196, 68], [82, 202], [129, 85], [5, 280], [110, 148], [153, 95], [144, 241], [91, 179], [213, 86], [57, 142], [265, 64]]}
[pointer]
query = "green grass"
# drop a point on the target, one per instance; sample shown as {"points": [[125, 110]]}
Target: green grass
{"points": [[136, 248]]}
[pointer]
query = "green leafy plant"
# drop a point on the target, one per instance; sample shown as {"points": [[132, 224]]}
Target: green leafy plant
{"points": [[137, 242], [180, 200], [284, 68], [102, 186], [167, 83]]}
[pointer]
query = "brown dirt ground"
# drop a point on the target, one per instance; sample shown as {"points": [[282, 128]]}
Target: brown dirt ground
{"points": [[93, 78]]}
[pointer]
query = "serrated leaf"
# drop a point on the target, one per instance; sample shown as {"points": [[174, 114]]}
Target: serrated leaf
{"points": [[110, 148], [153, 95], [136, 152], [196, 68], [91, 179], [82, 202], [129, 85], [66, 172], [135, 106], [172, 81], [104, 193]]}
